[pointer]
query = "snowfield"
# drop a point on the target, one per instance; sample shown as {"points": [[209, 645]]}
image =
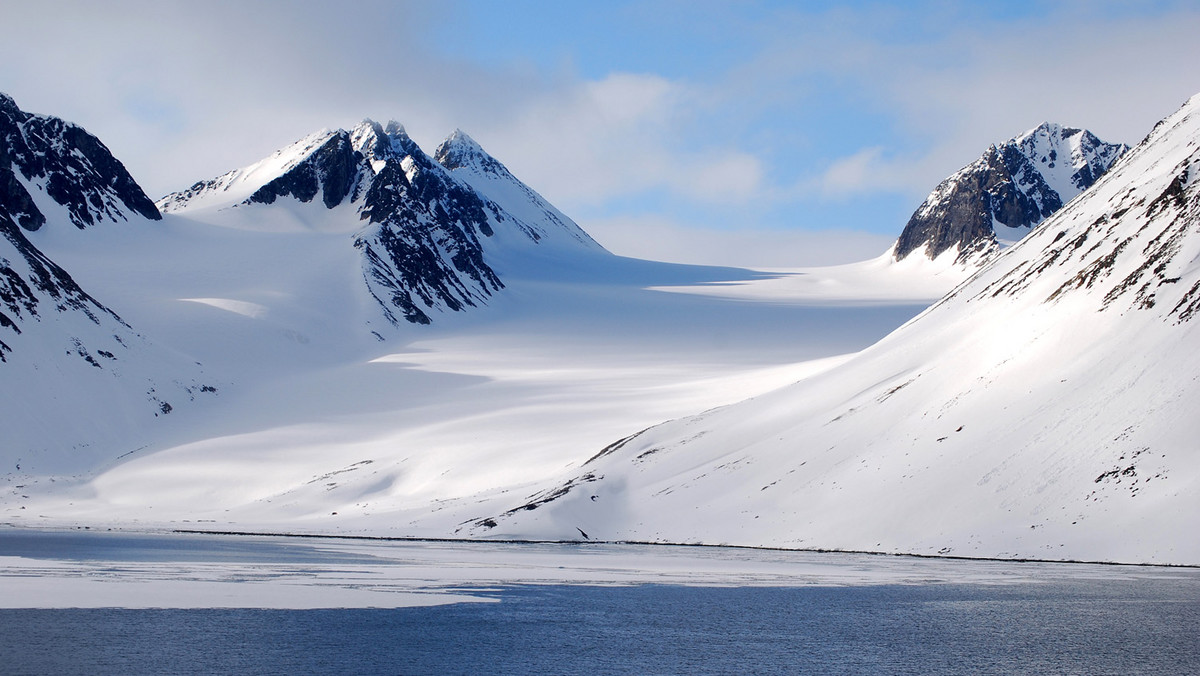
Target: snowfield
{"points": [[1045, 408], [328, 418], [319, 425]]}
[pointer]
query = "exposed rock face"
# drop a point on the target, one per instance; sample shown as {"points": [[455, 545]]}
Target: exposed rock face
{"points": [[1000, 197], [331, 169], [32, 284], [425, 251], [428, 220], [78, 173], [70, 165]]}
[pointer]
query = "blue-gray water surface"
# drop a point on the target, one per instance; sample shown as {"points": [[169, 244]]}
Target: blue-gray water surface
{"points": [[1139, 621], [1137, 627]]}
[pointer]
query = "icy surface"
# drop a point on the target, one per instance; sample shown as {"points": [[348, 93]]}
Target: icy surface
{"points": [[131, 570]]}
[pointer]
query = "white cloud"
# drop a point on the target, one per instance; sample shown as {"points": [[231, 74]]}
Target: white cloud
{"points": [[592, 141], [860, 172], [940, 100]]}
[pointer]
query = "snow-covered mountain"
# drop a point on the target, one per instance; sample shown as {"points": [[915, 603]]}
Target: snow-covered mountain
{"points": [[329, 419], [999, 198], [1046, 408], [48, 166], [1039, 409], [73, 372], [424, 226]]}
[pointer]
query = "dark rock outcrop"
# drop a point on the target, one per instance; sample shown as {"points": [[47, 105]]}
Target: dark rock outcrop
{"points": [[426, 250], [73, 167], [76, 171], [331, 170], [1015, 185]]}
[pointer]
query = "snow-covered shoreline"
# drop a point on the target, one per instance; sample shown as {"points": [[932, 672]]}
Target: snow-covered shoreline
{"points": [[130, 569]]}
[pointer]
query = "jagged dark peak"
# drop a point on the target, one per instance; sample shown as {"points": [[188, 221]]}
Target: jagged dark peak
{"points": [[369, 139], [395, 130], [383, 143], [70, 165], [421, 226], [7, 104]]}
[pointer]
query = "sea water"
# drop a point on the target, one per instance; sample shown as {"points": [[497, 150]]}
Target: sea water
{"points": [[1122, 624]]}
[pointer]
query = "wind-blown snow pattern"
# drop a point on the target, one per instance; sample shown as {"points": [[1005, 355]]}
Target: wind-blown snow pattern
{"points": [[1046, 408], [73, 374], [423, 227], [1000, 197]]}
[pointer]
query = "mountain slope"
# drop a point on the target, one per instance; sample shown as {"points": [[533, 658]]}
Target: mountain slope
{"points": [[74, 373], [423, 226], [40, 155], [1000, 197], [536, 217], [77, 180], [1046, 408]]}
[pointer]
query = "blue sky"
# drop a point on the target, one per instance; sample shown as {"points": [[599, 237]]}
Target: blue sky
{"points": [[768, 133]]}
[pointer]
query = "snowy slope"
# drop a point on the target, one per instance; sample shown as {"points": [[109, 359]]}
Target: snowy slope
{"points": [[1046, 408], [323, 428], [534, 216], [237, 186], [74, 376], [997, 199]]}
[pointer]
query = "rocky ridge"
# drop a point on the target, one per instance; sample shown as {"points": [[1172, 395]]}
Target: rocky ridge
{"points": [[1000, 197]]}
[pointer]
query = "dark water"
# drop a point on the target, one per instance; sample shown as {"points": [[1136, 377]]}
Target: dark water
{"points": [[157, 547], [1130, 626]]}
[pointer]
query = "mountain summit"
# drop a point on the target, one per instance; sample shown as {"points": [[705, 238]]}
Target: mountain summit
{"points": [[997, 199], [423, 225], [535, 216]]}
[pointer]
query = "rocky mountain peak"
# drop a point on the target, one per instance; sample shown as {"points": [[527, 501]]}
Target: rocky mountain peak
{"points": [[72, 167], [460, 150], [7, 104], [997, 199], [422, 224]]}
